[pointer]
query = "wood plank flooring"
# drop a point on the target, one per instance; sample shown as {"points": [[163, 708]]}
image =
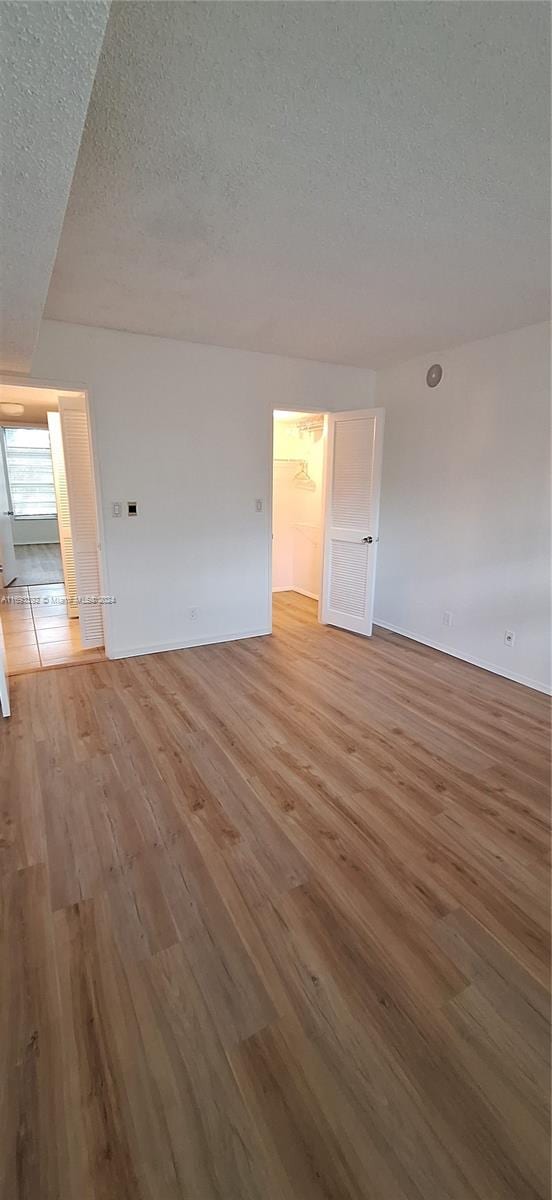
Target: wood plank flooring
{"points": [[275, 926]]}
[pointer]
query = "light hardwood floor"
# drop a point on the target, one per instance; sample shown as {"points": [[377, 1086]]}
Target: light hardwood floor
{"points": [[275, 925]]}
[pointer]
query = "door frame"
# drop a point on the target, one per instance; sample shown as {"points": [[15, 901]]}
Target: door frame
{"points": [[7, 484], [56, 385], [378, 466], [293, 407]]}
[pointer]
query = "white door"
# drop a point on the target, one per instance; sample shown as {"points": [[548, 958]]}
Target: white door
{"points": [[352, 491], [4, 692], [8, 564], [79, 477], [64, 521]]}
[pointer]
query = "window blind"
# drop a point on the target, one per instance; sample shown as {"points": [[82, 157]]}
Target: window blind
{"points": [[30, 473]]}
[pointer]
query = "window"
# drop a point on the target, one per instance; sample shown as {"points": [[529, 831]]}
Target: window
{"points": [[30, 473]]}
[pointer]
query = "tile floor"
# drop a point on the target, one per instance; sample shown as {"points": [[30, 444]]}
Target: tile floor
{"points": [[38, 631], [38, 564]]}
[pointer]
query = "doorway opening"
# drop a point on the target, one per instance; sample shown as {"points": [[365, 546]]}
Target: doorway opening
{"points": [[297, 502], [29, 485], [48, 538], [325, 511]]}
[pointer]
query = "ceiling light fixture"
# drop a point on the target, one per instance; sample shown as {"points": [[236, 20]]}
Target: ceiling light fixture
{"points": [[12, 410]]}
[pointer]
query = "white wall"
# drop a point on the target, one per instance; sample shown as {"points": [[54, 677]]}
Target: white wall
{"points": [[34, 531], [465, 502], [282, 527], [297, 509], [185, 430]]}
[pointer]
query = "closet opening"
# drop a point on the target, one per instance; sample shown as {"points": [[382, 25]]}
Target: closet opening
{"points": [[299, 448], [326, 476]]}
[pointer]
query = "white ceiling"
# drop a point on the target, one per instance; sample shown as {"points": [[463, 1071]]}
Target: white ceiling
{"points": [[48, 58], [351, 182]]}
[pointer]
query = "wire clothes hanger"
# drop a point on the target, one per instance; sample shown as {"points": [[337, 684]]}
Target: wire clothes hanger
{"points": [[302, 475]]}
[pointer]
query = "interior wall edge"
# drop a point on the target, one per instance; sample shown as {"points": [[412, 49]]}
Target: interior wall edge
{"points": [[464, 552], [536, 684], [185, 429], [208, 640]]}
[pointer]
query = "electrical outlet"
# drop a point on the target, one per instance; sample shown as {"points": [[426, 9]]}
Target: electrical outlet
{"points": [[116, 508], [447, 619], [193, 614], [509, 637], [258, 506]]}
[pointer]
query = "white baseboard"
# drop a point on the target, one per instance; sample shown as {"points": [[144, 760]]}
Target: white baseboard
{"points": [[161, 647], [300, 591], [475, 662]]}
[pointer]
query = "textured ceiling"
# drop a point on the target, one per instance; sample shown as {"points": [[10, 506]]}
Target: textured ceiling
{"points": [[48, 58], [351, 182]]}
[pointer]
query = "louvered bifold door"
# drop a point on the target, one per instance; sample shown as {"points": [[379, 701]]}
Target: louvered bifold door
{"points": [[4, 685], [82, 509], [62, 504], [353, 474]]}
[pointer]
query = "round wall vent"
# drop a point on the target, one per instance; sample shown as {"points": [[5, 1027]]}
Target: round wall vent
{"points": [[434, 375]]}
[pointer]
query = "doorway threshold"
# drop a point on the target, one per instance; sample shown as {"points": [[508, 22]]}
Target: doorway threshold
{"points": [[38, 631]]}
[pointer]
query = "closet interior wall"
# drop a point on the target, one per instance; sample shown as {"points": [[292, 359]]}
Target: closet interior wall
{"points": [[299, 444]]}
